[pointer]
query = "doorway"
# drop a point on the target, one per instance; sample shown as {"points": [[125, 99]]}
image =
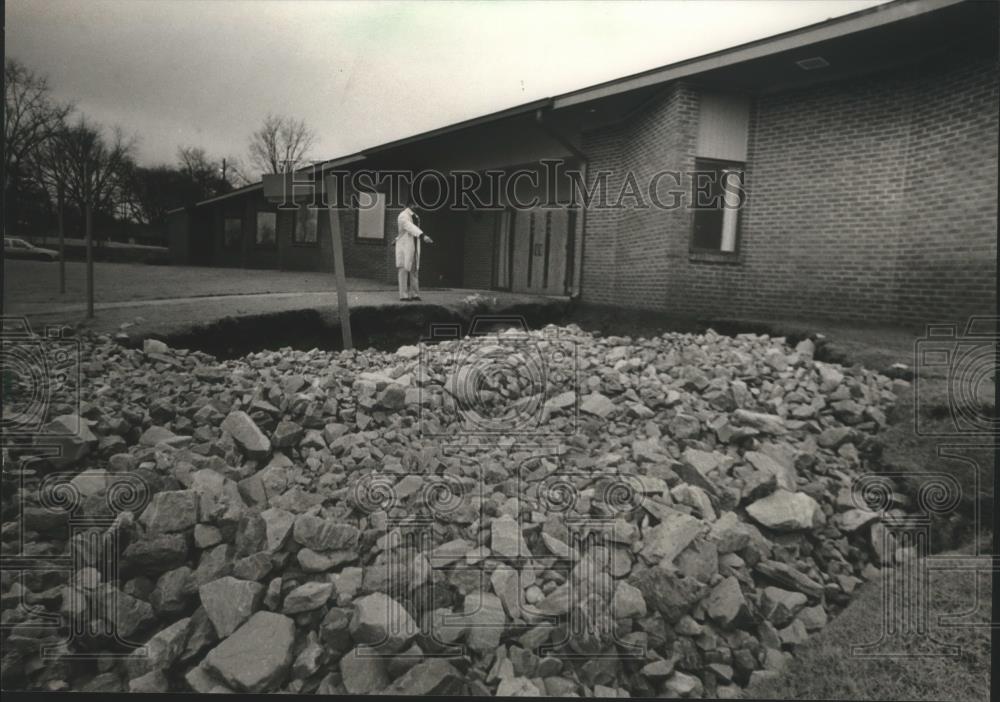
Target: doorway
{"points": [[441, 262], [534, 250]]}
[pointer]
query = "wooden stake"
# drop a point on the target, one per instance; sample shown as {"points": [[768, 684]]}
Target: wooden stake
{"points": [[338, 266], [90, 263], [88, 223], [62, 240]]}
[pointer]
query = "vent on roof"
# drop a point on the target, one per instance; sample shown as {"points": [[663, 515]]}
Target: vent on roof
{"points": [[811, 64]]}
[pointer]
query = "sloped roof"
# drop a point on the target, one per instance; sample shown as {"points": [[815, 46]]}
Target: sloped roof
{"points": [[831, 29]]}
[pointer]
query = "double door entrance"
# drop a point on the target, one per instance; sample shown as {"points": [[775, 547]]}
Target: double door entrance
{"points": [[535, 250]]}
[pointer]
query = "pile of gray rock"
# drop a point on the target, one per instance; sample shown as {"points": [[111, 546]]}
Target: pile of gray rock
{"points": [[543, 513]]}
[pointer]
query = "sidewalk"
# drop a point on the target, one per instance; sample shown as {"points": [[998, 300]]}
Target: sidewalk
{"points": [[166, 317], [168, 300]]}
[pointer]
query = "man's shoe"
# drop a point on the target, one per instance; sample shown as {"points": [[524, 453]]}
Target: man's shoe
{"points": [[415, 297]]}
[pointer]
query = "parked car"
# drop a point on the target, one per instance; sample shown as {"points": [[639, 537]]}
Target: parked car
{"points": [[19, 248]]}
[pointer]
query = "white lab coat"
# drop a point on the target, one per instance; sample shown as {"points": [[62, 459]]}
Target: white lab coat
{"points": [[407, 241]]}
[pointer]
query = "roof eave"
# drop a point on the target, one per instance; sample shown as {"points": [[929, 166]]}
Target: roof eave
{"points": [[822, 31]]}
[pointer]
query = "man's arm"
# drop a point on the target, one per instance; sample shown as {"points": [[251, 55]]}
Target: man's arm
{"points": [[412, 229]]}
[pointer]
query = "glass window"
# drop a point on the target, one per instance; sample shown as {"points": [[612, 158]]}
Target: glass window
{"points": [[716, 198], [371, 216], [306, 221], [267, 228]]}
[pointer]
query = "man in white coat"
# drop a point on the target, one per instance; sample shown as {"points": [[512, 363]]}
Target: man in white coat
{"points": [[408, 238]]}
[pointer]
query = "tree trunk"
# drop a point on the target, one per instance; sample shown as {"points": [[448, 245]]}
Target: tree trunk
{"points": [[90, 263], [60, 205], [88, 226]]}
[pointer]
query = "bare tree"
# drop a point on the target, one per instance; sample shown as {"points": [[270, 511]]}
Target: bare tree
{"points": [[31, 117], [197, 166], [234, 172], [194, 161], [280, 144], [89, 168], [212, 176]]}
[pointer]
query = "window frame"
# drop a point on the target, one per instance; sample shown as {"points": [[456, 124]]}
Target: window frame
{"points": [[256, 231], [238, 244], [296, 214], [367, 240], [701, 253]]}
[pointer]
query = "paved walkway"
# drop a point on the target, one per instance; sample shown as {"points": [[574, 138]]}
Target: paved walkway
{"points": [[166, 300], [48, 309]]}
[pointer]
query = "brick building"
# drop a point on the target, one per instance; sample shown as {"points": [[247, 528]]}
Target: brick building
{"points": [[865, 148]]}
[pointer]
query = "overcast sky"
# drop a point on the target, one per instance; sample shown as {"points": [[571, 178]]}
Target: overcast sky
{"points": [[205, 72]]}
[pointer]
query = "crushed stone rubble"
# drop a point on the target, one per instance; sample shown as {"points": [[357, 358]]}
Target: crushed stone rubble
{"points": [[543, 513]]}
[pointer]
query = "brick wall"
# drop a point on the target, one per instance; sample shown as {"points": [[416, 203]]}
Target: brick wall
{"points": [[361, 260], [870, 199], [599, 275]]}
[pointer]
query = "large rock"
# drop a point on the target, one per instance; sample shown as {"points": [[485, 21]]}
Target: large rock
{"points": [[431, 677], [517, 687], [201, 634], [667, 539], [171, 510], [257, 655], [215, 562], [730, 533], [156, 435], [393, 397], [92, 482], [155, 554], [484, 619], [725, 604], [153, 681], [381, 621], [71, 434], [854, 519], [681, 685], [628, 601], [247, 434], [784, 474], [785, 511], [789, 577], [507, 540], [127, 615], [219, 498], [162, 650], [597, 404], [230, 602], [766, 423], [363, 671], [835, 437], [307, 597], [278, 525], [173, 592], [830, 378], [781, 606], [669, 593], [703, 461], [324, 535], [287, 434]]}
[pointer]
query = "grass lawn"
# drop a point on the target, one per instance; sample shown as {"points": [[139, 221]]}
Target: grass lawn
{"points": [[823, 667], [37, 282]]}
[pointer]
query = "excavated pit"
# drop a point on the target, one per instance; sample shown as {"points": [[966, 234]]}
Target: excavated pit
{"points": [[389, 327]]}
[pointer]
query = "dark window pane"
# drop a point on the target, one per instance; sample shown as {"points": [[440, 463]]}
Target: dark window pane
{"points": [[708, 198], [708, 229]]}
